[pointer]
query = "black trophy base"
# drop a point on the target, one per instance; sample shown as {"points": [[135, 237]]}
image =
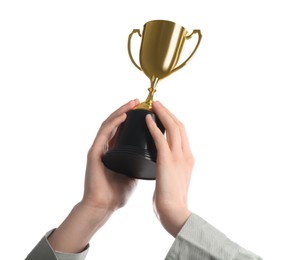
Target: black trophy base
{"points": [[133, 152]]}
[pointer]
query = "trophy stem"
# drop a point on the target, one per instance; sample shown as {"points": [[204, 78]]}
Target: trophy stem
{"points": [[147, 104]]}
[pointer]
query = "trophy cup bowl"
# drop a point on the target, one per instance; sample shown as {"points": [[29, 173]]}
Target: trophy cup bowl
{"points": [[133, 152]]}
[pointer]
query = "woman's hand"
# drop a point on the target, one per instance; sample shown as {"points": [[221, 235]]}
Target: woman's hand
{"points": [[174, 168], [104, 188], [104, 192]]}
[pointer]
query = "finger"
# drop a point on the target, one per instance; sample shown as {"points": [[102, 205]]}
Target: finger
{"points": [[158, 103], [184, 138], [123, 109], [109, 126], [171, 124], [157, 135], [182, 129], [105, 134]]}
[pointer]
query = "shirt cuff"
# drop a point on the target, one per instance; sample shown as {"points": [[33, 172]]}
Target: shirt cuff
{"points": [[198, 240], [44, 251]]}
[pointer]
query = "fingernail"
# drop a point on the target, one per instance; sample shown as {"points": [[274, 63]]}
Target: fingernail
{"points": [[150, 118], [156, 103]]}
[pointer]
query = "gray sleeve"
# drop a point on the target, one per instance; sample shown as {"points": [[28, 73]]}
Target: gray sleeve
{"points": [[44, 251], [198, 240]]}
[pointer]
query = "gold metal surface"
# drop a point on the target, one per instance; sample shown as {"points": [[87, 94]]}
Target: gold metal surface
{"points": [[161, 46]]}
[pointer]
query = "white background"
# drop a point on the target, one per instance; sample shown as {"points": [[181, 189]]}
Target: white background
{"points": [[64, 68]]}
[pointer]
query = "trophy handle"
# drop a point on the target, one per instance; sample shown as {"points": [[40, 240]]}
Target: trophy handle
{"points": [[129, 47], [188, 37]]}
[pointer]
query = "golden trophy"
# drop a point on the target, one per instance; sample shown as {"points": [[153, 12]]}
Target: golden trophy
{"points": [[133, 151]]}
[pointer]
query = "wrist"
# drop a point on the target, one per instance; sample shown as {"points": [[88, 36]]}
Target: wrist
{"points": [[75, 232], [94, 216], [174, 220]]}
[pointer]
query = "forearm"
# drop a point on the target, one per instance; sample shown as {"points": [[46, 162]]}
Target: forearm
{"points": [[73, 235]]}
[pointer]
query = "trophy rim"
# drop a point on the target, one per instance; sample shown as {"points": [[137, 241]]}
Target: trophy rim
{"points": [[168, 21]]}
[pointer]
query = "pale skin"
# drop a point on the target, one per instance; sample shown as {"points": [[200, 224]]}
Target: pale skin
{"points": [[106, 191]]}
